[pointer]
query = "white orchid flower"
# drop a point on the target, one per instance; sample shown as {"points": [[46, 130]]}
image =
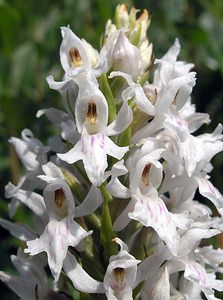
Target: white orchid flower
{"points": [[190, 163], [91, 113], [119, 280], [76, 56], [91, 202], [32, 280], [33, 155], [169, 67], [123, 53], [212, 257], [73, 53], [151, 211], [207, 282], [194, 119], [61, 231], [32, 200], [30, 150], [170, 91], [63, 121], [120, 275], [145, 206], [190, 261]]}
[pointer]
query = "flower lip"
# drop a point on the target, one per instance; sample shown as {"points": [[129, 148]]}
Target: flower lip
{"points": [[76, 60]]}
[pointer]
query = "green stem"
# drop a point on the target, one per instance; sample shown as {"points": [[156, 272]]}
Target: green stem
{"points": [[107, 233], [106, 90]]}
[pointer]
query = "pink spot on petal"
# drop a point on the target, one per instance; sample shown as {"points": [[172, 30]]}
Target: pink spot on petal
{"points": [[211, 188], [160, 208], [156, 218], [92, 140], [200, 273], [150, 211], [102, 137], [83, 150]]}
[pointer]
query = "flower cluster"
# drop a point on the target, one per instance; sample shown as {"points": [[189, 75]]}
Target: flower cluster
{"points": [[113, 194]]}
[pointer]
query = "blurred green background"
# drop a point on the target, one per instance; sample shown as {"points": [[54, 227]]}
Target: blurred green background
{"points": [[29, 51]]}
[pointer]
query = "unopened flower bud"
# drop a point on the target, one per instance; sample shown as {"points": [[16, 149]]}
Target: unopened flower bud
{"points": [[127, 57], [122, 16]]}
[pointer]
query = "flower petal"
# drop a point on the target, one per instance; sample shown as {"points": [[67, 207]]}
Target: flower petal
{"points": [[122, 121], [158, 287], [178, 126], [196, 273], [113, 150], [92, 201], [20, 231], [136, 92], [56, 238], [19, 286], [95, 156], [70, 41], [170, 91], [207, 190], [31, 199], [124, 52], [115, 187], [153, 212], [74, 154], [192, 237], [62, 121], [123, 219], [25, 153], [89, 94], [80, 279], [59, 85], [51, 170]]}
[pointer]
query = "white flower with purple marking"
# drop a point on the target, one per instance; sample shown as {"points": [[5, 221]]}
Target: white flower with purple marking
{"points": [[120, 275], [91, 111], [61, 231]]}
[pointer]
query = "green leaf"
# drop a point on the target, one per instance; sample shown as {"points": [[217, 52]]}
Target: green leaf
{"points": [[125, 137]]}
